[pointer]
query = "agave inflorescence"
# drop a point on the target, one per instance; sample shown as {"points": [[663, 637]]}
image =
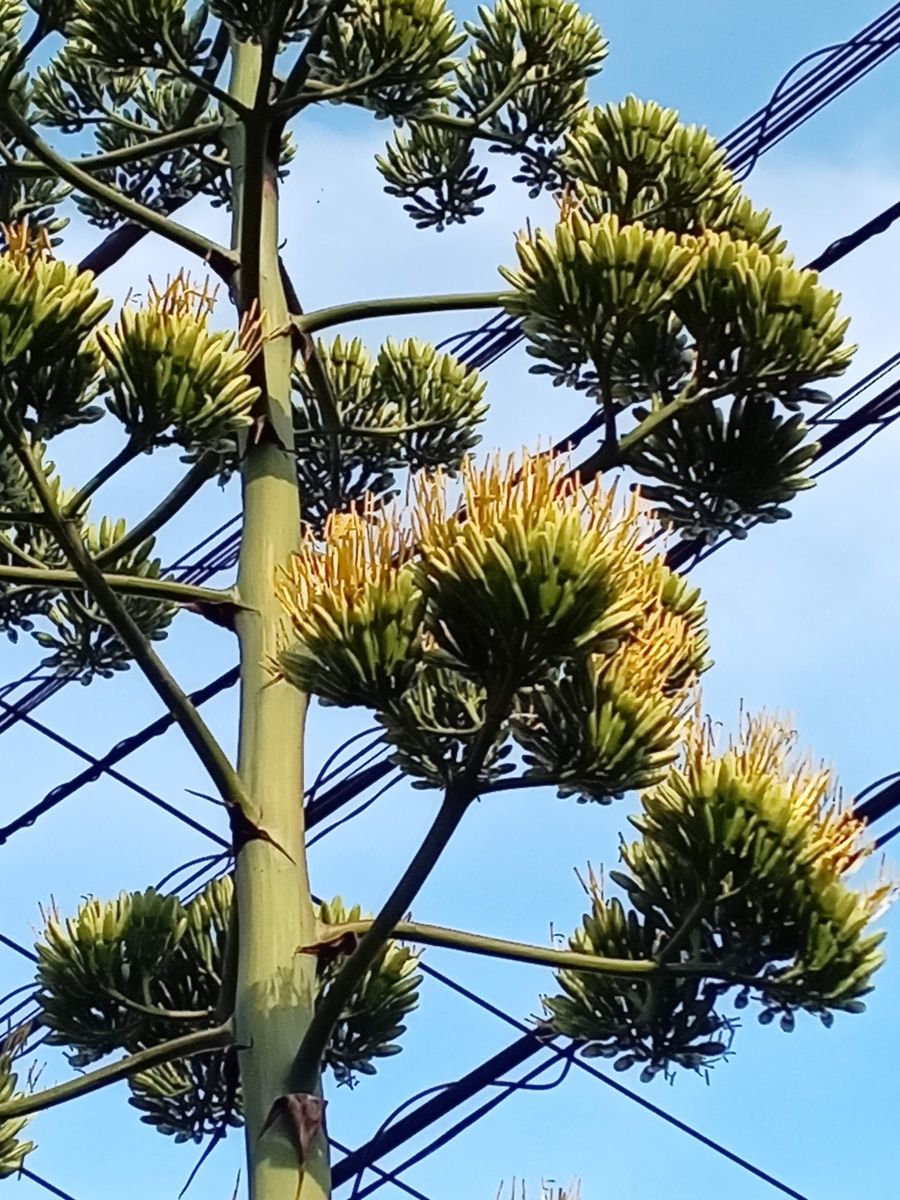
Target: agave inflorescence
{"points": [[391, 56], [411, 407], [109, 976], [48, 310], [637, 160], [738, 882], [356, 610], [133, 33], [712, 473], [707, 329], [531, 600], [170, 378]]}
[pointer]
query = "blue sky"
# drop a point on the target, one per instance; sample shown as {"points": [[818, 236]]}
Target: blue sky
{"points": [[800, 621]]}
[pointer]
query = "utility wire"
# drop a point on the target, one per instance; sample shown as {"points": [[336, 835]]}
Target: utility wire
{"points": [[47, 1186], [120, 751], [19, 949], [55, 797], [404, 1187], [790, 107], [460, 1126], [585, 1065]]}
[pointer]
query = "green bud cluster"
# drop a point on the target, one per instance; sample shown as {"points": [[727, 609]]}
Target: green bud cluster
{"points": [[111, 977]]}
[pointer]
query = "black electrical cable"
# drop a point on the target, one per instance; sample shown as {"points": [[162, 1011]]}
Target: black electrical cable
{"points": [[434, 1109], [104, 765], [456, 1129], [585, 1065], [206, 860], [183, 564], [355, 812], [398, 1183], [770, 131], [887, 837], [48, 1187], [19, 949], [31, 816], [325, 775], [507, 1084]]}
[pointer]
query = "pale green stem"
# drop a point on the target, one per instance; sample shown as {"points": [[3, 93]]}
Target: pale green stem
{"points": [[471, 126], [501, 98], [321, 91], [491, 947], [28, 560], [153, 147], [608, 456], [128, 585], [129, 452], [220, 259], [183, 1047], [540, 956], [200, 82], [274, 991], [183, 491], [164, 1014], [157, 674], [362, 310], [332, 1004]]}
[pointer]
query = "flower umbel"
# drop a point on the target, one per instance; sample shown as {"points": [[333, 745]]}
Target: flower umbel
{"points": [[529, 571], [738, 884]]}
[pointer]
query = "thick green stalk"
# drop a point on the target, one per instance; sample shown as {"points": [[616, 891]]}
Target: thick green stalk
{"points": [[275, 988]]}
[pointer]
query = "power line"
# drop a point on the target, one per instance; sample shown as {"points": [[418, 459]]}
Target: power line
{"points": [[584, 1065], [458, 1128], [852, 241], [45, 1184], [55, 797], [432, 1110], [790, 107], [19, 949], [404, 1187], [105, 764]]}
